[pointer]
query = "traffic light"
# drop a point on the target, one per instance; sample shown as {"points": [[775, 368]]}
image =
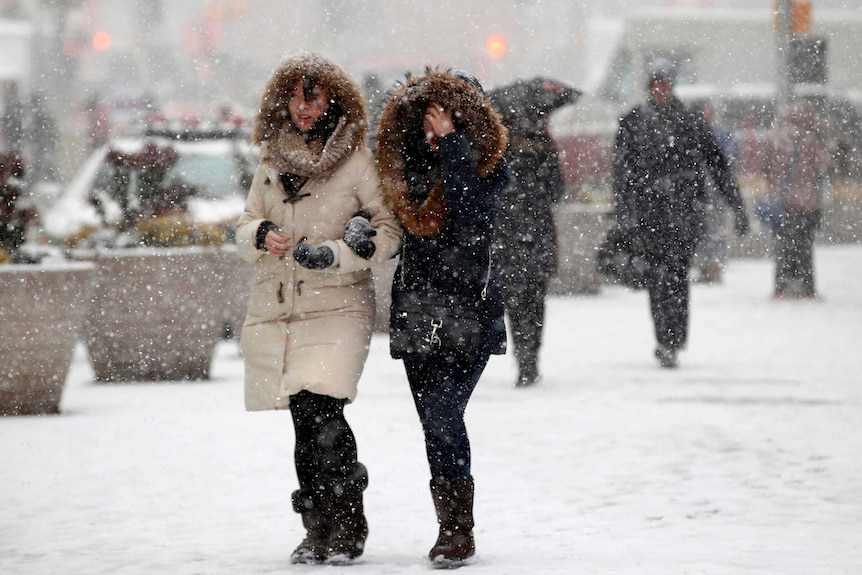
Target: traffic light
{"points": [[101, 41], [495, 46], [801, 16], [808, 60]]}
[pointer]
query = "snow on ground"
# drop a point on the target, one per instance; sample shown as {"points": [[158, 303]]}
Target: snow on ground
{"points": [[745, 460]]}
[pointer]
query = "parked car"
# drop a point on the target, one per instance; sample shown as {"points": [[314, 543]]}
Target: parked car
{"points": [[216, 162]]}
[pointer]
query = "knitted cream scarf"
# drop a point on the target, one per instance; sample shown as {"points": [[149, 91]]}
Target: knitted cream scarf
{"points": [[289, 153]]}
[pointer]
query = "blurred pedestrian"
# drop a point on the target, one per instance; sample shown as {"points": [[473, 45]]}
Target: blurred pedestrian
{"points": [[12, 121], [314, 222], [797, 175], [14, 219], [662, 153], [44, 138], [526, 239], [711, 251], [98, 122], [440, 150]]}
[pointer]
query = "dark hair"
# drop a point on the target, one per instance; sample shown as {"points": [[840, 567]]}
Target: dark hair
{"points": [[326, 124]]}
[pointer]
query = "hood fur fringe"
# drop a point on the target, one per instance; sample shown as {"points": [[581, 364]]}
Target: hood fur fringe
{"points": [[405, 106], [273, 114]]}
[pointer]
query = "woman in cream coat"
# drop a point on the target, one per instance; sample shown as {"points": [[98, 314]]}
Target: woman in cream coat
{"points": [[314, 222]]}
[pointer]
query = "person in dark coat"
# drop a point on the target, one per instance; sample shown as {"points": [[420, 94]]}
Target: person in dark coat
{"points": [[12, 120], [661, 155], [797, 171], [526, 242], [44, 137], [711, 253], [440, 150]]}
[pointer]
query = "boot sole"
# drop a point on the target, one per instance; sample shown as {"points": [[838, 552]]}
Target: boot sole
{"points": [[340, 559], [441, 562]]}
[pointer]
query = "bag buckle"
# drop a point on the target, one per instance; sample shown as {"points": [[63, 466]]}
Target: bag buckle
{"points": [[433, 338]]}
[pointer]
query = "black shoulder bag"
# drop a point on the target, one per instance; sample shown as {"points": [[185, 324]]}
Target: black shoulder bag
{"points": [[432, 322]]}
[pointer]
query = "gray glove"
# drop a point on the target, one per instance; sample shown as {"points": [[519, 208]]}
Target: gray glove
{"points": [[313, 257], [357, 235]]}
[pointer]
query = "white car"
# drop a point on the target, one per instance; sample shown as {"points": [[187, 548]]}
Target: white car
{"points": [[218, 164]]}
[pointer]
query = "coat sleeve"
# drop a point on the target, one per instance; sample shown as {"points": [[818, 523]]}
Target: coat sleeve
{"points": [[718, 165], [624, 173], [253, 215], [388, 239], [471, 199]]}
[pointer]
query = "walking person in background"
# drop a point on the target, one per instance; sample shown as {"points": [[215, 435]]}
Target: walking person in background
{"points": [[44, 138], [711, 252], [314, 221], [98, 122], [797, 172], [662, 153], [12, 120], [440, 151], [526, 242]]}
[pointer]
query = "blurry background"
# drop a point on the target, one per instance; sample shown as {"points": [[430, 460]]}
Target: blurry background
{"points": [[194, 58]]}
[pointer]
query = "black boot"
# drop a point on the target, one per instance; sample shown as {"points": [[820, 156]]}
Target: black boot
{"points": [[315, 519], [453, 503], [349, 527], [528, 373]]}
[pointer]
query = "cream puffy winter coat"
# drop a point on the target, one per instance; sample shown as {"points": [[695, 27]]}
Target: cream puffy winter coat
{"points": [[307, 329]]}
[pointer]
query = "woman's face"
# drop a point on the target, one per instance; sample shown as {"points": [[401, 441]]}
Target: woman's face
{"points": [[304, 113]]}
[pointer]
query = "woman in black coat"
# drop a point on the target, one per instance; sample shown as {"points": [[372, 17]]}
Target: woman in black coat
{"points": [[440, 150]]}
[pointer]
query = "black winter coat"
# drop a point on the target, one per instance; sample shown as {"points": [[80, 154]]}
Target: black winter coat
{"points": [[662, 155], [456, 261], [526, 243]]}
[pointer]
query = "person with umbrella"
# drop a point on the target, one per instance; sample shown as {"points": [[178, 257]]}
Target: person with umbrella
{"points": [[526, 240]]}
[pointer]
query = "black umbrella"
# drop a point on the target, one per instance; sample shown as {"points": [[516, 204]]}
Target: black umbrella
{"points": [[526, 104]]}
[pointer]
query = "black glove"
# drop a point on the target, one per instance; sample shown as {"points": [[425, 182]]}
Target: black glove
{"points": [[740, 222], [313, 257], [357, 234]]}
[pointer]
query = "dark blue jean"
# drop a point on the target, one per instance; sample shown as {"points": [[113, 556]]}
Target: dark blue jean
{"points": [[441, 387]]}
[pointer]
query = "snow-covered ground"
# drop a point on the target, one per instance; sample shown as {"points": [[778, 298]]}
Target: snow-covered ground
{"points": [[747, 459]]}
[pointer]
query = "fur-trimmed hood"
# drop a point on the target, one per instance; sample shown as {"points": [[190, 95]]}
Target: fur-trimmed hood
{"points": [[404, 109], [273, 114]]}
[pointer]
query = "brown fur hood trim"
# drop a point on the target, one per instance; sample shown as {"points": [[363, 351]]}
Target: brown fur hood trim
{"points": [[273, 114], [405, 107]]}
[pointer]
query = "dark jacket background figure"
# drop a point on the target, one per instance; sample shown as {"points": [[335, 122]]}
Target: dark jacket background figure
{"points": [[526, 238], [446, 200], [526, 244], [662, 154], [798, 168]]}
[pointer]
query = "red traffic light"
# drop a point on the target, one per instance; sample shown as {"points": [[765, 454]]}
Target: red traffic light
{"points": [[495, 46]]}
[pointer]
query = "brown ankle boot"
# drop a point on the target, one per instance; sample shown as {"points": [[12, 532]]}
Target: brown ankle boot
{"points": [[315, 519], [453, 503], [349, 530]]}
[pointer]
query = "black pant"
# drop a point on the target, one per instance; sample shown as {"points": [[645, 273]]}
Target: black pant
{"points": [[325, 444], [667, 285], [794, 251], [441, 387], [525, 304]]}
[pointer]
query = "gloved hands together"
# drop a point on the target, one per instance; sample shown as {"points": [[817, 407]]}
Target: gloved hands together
{"points": [[313, 257], [357, 234], [740, 222]]}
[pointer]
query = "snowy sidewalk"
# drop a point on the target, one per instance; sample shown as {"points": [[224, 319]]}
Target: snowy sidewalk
{"points": [[745, 460]]}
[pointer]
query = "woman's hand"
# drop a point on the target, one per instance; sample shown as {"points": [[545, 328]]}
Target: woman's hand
{"points": [[438, 122], [277, 243]]}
